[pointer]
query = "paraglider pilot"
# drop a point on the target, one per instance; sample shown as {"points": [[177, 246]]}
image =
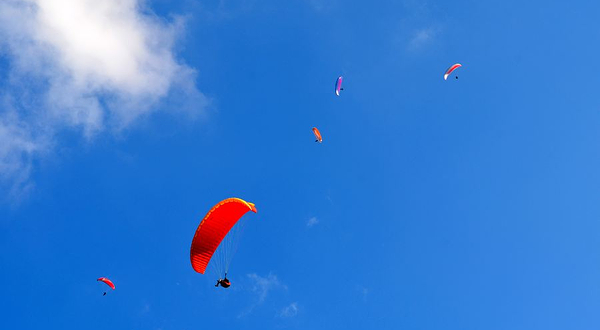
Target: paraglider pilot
{"points": [[223, 282]]}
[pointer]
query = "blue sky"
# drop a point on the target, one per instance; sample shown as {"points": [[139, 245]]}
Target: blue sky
{"points": [[431, 204]]}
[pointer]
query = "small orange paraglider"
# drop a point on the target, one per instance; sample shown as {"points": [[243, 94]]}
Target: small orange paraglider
{"points": [[317, 135]]}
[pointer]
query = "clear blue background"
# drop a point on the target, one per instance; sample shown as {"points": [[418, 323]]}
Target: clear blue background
{"points": [[459, 204]]}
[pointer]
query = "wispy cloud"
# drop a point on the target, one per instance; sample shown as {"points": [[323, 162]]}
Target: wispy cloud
{"points": [[260, 287], [420, 27], [289, 311], [312, 222], [89, 65], [322, 5], [422, 37], [17, 148], [364, 292], [145, 309]]}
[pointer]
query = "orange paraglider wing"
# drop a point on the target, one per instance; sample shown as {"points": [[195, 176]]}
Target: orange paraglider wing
{"points": [[214, 227], [107, 281], [317, 135]]}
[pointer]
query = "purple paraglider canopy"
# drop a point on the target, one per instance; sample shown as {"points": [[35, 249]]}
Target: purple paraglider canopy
{"points": [[338, 85]]}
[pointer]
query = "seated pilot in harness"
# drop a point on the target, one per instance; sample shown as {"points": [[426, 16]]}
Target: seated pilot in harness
{"points": [[223, 282]]}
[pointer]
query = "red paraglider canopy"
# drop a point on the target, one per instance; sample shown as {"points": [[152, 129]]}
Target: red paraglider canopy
{"points": [[213, 228], [451, 69], [107, 281]]}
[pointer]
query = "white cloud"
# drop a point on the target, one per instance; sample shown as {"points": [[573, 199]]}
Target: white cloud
{"points": [[92, 65], [364, 292], [17, 148], [289, 311], [322, 5], [311, 222], [421, 38], [261, 287], [145, 309]]}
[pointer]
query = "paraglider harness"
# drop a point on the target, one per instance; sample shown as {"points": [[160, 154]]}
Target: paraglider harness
{"points": [[223, 282]]}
